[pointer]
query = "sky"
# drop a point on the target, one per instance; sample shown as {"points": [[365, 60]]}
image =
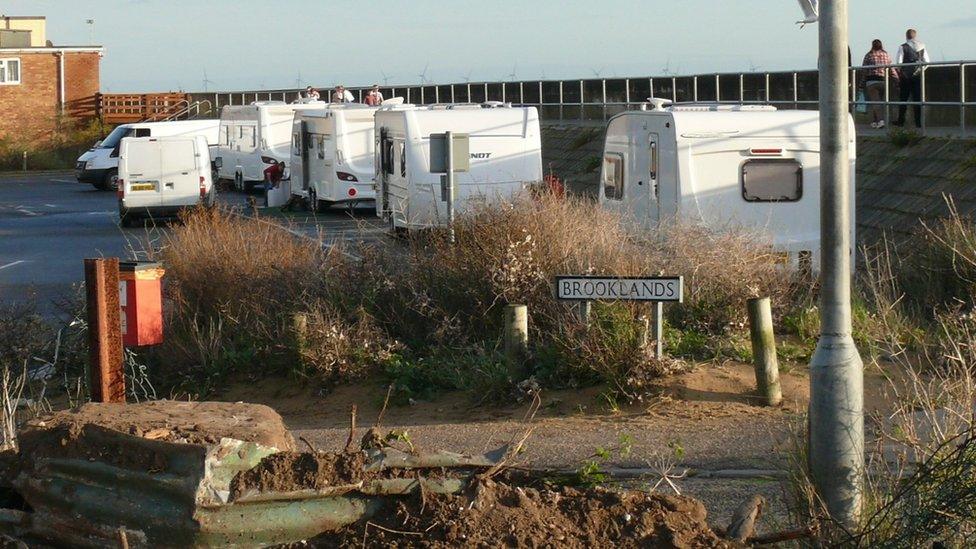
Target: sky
{"points": [[162, 45]]}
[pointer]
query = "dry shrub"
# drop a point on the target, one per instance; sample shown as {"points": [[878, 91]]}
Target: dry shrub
{"points": [[218, 263], [234, 285], [442, 299], [335, 349], [722, 270], [435, 295]]}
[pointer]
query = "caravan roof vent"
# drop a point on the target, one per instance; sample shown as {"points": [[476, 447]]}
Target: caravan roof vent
{"points": [[496, 105], [655, 104], [265, 103]]}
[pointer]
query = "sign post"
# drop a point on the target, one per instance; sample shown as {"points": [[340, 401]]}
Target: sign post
{"points": [[449, 153], [656, 290], [836, 375], [449, 160]]}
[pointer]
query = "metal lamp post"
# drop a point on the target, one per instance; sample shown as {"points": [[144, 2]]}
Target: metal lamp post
{"points": [[836, 417]]}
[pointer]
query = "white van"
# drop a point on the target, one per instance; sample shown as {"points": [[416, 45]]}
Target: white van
{"points": [[332, 155], [100, 164], [722, 166], [160, 176], [505, 158], [255, 136]]}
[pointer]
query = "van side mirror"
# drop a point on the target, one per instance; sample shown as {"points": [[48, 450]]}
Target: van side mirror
{"points": [[97, 143], [218, 162]]}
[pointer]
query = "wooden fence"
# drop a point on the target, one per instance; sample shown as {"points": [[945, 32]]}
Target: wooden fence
{"points": [[122, 108]]}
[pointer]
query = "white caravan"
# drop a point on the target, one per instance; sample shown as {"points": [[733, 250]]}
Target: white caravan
{"points": [[332, 155], [100, 164], [721, 166], [505, 158], [254, 137], [160, 176]]}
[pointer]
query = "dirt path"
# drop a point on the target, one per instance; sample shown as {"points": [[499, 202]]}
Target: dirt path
{"points": [[710, 413]]}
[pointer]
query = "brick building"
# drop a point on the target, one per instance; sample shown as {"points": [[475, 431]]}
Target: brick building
{"points": [[43, 86]]}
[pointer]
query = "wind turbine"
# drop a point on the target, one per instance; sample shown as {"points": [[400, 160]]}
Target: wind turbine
{"points": [[91, 31], [386, 79], [467, 77], [667, 67], [597, 73], [298, 79], [752, 66], [423, 74], [206, 81], [511, 76]]}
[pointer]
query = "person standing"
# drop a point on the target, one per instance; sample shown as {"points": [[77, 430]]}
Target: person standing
{"points": [[311, 93], [374, 97], [874, 80], [911, 52], [342, 95]]}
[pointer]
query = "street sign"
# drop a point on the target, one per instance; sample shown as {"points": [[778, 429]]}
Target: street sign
{"points": [[438, 152], [603, 288]]}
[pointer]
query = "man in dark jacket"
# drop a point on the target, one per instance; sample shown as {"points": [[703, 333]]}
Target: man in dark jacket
{"points": [[911, 52]]}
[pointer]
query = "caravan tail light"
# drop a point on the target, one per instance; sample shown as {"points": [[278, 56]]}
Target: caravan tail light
{"points": [[352, 191], [766, 152], [343, 176], [120, 191], [268, 160], [203, 187]]}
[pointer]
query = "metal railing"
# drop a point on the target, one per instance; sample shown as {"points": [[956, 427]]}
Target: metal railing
{"points": [[947, 95]]}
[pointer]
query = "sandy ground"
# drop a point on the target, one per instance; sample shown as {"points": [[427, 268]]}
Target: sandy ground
{"points": [[711, 413]]}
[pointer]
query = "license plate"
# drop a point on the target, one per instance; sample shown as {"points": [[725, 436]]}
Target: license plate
{"points": [[143, 186]]}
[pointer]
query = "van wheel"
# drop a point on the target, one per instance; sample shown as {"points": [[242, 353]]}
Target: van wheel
{"points": [[111, 181]]}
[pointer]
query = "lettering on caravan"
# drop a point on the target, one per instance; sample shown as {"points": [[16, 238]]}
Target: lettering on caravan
{"points": [[480, 156]]}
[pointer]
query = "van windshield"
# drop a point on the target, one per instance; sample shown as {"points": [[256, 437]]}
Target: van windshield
{"points": [[113, 139]]}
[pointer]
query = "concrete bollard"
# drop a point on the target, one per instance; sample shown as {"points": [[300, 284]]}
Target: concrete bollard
{"points": [[516, 337], [764, 351]]}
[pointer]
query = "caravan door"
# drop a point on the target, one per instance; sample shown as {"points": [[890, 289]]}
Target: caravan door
{"points": [[645, 200], [304, 144], [384, 172]]}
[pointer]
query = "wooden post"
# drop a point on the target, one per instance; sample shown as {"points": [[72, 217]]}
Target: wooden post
{"points": [[583, 309], [299, 328], [516, 337], [107, 376], [764, 350]]}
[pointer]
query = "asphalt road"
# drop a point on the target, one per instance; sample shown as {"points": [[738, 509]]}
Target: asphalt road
{"points": [[50, 223]]}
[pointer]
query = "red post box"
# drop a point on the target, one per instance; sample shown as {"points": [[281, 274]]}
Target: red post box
{"points": [[141, 299]]}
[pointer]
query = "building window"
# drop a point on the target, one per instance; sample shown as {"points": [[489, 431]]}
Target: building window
{"points": [[9, 71], [772, 180], [613, 176]]}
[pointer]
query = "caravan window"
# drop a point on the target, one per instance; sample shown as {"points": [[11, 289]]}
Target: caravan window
{"points": [[321, 147], [386, 156], [296, 142], [613, 176], [772, 180]]}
